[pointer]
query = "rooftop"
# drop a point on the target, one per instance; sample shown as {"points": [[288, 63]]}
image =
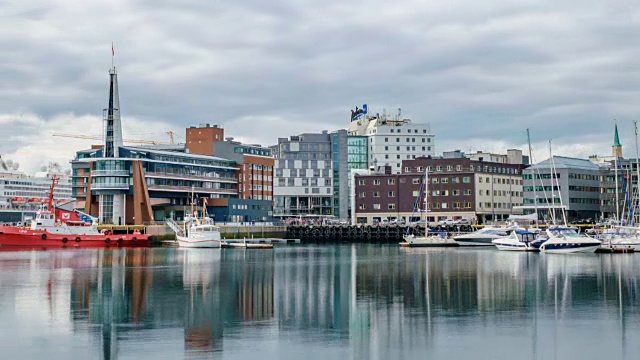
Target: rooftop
{"points": [[562, 162]]}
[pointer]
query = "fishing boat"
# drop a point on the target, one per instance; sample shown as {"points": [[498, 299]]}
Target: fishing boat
{"points": [[56, 227], [197, 232], [519, 240]]}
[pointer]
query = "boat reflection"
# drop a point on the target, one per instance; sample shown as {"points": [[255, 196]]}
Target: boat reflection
{"points": [[378, 302]]}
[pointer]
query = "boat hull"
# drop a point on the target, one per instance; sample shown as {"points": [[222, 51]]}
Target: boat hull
{"points": [[569, 248], [10, 236], [474, 241], [513, 247], [198, 243]]}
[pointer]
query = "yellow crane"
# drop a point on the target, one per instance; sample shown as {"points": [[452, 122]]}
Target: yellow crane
{"points": [[131, 141]]}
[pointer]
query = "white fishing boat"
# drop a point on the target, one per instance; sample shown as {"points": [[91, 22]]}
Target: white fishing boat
{"points": [[197, 232], [519, 240], [567, 240]]}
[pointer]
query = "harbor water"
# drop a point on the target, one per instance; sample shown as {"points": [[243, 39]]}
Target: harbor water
{"points": [[318, 302]]}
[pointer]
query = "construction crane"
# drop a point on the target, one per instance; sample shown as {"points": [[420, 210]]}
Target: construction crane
{"points": [[132, 141]]}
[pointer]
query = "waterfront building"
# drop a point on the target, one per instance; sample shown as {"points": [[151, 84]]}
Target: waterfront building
{"points": [[459, 188], [304, 174], [393, 139], [563, 183], [137, 184]]}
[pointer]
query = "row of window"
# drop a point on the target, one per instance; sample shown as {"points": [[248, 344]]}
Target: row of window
{"points": [[415, 131], [477, 168], [304, 182], [500, 193], [424, 140]]}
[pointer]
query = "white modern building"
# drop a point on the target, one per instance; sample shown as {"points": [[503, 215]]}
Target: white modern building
{"points": [[393, 139]]}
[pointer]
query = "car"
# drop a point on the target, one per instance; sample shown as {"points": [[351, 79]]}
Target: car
{"points": [[462, 222], [446, 222]]}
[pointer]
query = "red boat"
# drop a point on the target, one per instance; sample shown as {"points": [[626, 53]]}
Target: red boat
{"points": [[63, 228]]}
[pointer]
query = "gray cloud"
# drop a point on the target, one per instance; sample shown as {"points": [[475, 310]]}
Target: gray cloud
{"points": [[483, 71]]}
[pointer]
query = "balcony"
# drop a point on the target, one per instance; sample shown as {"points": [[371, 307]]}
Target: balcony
{"points": [[226, 179], [188, 189], [109, 173], [110, 186]]}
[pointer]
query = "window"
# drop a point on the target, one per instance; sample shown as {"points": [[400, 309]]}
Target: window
{"points": [[397, 140], [467, 191], [466, 180], [391, 194], [439, 168], [376, 194], [434, 180], [386, 139], [407, 169], [444, 180], [444, 205], [392, 206], [458, 167], [391, 181], [415, 180], [376, 206], [363, 194], [361, 182], [386, 148], [449, 167], [416, 193], [362, 207], [376, 182], [456, 192], [455, 180]]}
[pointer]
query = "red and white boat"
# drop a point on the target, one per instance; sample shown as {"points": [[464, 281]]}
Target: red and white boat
{"points": [[64, 228]]}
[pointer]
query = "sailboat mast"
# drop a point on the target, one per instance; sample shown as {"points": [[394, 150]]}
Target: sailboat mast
{"points": [[551, 173], [637, 212], [426, 193], [535, 198]]}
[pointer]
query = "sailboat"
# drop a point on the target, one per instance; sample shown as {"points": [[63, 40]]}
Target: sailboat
{"points": [[431, 238], [562, 239], [199, 232]]}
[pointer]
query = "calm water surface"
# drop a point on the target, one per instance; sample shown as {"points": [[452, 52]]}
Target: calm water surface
{"points": [[305, 302]]}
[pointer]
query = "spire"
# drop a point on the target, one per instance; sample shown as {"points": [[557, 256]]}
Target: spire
{"points": [[113, 125], [616, 138], [616, 149]]}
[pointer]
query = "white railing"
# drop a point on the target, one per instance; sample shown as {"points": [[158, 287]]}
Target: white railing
{"points": [[109, 173], [105, 186]]}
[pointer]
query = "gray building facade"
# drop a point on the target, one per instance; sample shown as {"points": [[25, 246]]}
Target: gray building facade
{"points": [[563, 183]]}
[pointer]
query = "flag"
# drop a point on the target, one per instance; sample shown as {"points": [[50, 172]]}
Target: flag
{"points": [[113, 53]]}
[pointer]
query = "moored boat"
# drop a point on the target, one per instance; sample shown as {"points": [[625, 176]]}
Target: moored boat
{"points": [[483, 237], [54, 227], [567, 240], [519, 240], [433, 238]]}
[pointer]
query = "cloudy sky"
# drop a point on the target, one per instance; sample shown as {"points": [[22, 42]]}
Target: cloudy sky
{"points": [[479, 72]]}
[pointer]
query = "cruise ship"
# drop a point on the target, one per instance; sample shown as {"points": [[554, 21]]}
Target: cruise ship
{"points": [[21, 195]]}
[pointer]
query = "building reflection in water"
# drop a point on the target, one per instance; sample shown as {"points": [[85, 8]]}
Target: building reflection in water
{"points": [[375, 301]]}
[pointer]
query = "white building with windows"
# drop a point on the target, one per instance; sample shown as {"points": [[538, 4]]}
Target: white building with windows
{"points": [[393, 140]]}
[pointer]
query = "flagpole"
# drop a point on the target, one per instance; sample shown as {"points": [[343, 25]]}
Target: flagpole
{"points": [[113, 53]]}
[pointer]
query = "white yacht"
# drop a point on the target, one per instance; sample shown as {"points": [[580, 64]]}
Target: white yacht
{"points": [[568, 240], [621, 238], [484, 236], [433, 238], [519, 240]]}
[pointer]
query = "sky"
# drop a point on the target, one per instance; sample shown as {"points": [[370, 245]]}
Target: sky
{"points": [[480, 73]]}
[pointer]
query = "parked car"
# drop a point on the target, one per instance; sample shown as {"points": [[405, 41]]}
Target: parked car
{"points": [[462, 222], [446, 222]]}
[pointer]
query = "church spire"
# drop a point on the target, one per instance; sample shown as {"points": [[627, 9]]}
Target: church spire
{"points": [[617, 146]]}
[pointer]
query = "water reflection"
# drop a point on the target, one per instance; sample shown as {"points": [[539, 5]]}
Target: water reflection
{"points": [[361, 302]]}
